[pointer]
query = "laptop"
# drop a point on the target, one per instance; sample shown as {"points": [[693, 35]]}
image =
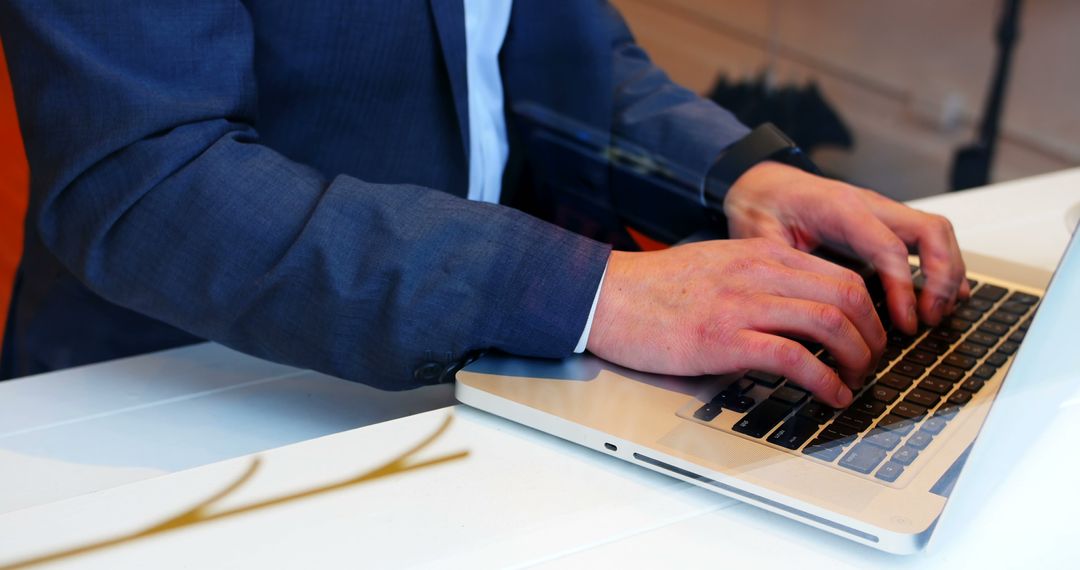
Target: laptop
{"points": [[880, 472]]}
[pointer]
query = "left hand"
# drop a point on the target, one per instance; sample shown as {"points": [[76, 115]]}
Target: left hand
{"points": [[785, 204]]}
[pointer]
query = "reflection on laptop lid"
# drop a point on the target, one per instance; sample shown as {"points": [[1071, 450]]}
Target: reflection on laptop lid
{"points": [[1043, 377]]}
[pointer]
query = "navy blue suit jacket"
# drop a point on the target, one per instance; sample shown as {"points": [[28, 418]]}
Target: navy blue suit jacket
{"points": [[287, 178]]}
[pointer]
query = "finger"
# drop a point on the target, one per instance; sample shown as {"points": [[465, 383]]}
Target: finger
{"points": [[939, 257], [778, 355], [822, 323], [872, 240], [847, 292]]}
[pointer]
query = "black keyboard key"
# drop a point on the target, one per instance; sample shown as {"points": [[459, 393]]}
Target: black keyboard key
{"points": [[993, 329], [971, 349], [947, 373], [739, 404], [933, 346], [731, 400], [1017, 336], [895, 381], [841, 435], [900, 340], [959, 325], [972, 385], [890, 472], [863, 458], [855, 419], [934, 425], [817, 412], [1024, 326], [762, 419], [949, 336], [977, 304], [923, 398], [905, 455], [947, 411], [967, 314], [896, 423], [960, 361], [765, 379], [979, 337], [1008, 347], [1018, 309], [997, 359], [884, 394], [1004, 317], [960, 398], [990, 292], [891, 353], [884, 439], [837, 430], [921, 439], [794, 432], [867, 404], [909, 410], [788, 395], [1024, 298], [921, 358], [908, 369], [825, 451], [984, 372], [708, 412], [936, 385]]}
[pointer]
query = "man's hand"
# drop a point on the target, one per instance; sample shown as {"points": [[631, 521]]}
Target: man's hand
{"points": [[720, 306], [787, 205], [723, 306]]}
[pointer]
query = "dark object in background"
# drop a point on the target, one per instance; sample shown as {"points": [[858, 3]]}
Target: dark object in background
{"points": [[800, 112], [971, 166]]}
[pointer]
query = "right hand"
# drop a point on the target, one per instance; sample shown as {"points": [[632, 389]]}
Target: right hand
{"points": [[723, 306]]}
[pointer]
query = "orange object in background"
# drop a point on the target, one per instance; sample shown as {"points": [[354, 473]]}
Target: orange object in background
{"points": [[14, 190]]}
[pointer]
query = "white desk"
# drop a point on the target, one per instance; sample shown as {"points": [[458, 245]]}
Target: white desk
{"points": [[123, 442]]}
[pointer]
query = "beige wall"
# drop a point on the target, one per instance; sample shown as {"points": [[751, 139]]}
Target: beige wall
{"points": [[909, 77]]}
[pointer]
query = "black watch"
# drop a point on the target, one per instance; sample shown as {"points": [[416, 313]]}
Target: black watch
{"points": [[766, 142]]}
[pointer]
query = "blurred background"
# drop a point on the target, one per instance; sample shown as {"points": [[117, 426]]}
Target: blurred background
{"points": [[909, 79]]}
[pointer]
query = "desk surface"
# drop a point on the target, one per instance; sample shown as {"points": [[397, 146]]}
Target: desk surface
{"points": [[140, 438]]}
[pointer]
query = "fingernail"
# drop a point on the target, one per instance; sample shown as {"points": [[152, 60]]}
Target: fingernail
{"points": [[912, 317], [843, 396]]}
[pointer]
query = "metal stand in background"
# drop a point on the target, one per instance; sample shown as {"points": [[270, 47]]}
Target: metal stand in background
{"points": [[972, 163]]}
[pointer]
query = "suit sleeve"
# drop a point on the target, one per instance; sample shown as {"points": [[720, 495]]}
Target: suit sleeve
{"points": [[150, 184], [652, 111]]}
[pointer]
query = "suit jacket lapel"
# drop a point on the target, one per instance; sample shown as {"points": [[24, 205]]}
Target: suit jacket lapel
{"points": [[450, 21]]}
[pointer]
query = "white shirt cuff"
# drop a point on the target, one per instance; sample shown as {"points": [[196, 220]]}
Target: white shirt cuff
{"points": [[584, 340]]}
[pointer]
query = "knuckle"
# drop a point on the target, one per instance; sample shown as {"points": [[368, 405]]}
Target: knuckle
{"points": [[942, 224], [749, 265], [709, 333], [852, 278], [855, 297], [830, 318], [895, 247], [789, 355]]}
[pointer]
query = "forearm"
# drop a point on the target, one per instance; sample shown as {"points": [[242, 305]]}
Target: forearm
{"points": [[152, 187]]}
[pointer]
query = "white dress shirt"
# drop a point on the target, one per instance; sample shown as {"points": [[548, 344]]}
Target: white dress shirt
{"points": [[486, 22]]}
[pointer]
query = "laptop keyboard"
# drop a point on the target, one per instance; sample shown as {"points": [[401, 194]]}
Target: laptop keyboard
{"points": [[920, 384]]}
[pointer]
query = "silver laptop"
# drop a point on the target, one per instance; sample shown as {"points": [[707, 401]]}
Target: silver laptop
{"points": [[879, 472]]}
